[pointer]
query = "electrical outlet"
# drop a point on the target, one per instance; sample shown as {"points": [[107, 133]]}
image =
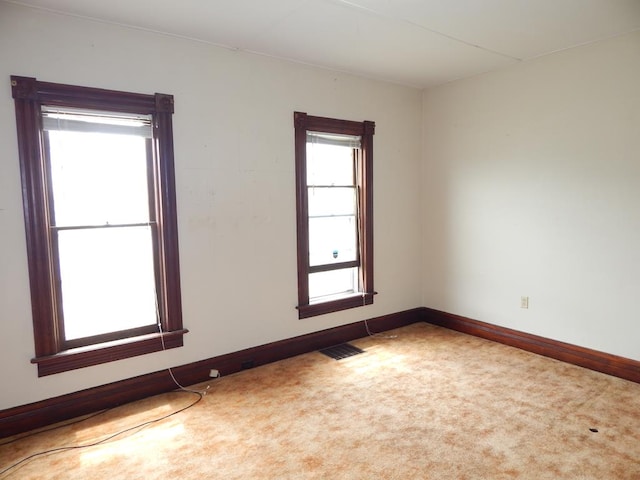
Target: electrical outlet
{"points": [[524, 302], [213, 373]]}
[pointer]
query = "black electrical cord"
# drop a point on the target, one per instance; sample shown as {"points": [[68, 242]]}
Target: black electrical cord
{"points": [[76, 447], [62, 425]]}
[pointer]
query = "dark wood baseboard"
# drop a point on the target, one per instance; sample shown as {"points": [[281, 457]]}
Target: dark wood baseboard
{"points": [[46, 412], [601, 362]]}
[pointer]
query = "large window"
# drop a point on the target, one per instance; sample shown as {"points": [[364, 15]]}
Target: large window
{"points": [[334, 186], [100, 217]]}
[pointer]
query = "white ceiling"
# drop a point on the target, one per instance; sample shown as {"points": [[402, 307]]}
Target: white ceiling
{"points": [[413, 42]]}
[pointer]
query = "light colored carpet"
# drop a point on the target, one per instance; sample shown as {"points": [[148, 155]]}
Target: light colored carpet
{"points": [[429, 404]]}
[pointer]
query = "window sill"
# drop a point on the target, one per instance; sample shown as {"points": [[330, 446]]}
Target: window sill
{"points": [[330, 306], [107, 352]]}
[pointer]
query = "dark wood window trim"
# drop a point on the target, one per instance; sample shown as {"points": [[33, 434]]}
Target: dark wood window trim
{"points": [[50, 354], [302, 124]]}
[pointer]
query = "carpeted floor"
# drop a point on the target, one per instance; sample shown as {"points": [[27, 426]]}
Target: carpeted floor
{"points": [[429, 404]]}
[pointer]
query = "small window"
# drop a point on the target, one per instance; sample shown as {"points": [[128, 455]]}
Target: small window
{"points": [[100, 217], [334, 184]]}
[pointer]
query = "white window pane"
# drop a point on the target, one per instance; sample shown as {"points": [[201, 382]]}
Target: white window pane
{"points": [[329, 165], [98, 178], [332, 240], [333, 282], [332, 201], [107, 280]]}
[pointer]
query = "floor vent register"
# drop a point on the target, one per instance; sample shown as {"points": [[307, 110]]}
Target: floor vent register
{"points": [[338, 352]]}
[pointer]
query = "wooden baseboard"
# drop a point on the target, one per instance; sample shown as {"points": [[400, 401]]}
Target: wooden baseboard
{"points": [[601, 362], [46, 412], [39, 414]]}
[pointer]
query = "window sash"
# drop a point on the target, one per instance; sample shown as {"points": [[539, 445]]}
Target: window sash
{"points": [[93, 300], [66, 300], [71, 183], [337, 204]]}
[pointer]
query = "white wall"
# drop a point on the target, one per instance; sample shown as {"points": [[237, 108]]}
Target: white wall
{"points": [[235, 186], [532, 187]]}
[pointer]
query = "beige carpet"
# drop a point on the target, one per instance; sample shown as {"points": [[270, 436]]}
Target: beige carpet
{"points": [[429, 404]]}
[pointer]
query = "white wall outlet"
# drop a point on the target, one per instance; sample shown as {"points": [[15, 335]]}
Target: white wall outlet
{"points": [[524, 302], [213, 373]]}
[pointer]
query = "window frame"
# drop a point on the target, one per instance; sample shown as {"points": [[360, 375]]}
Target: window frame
{"points": [[51, 354], [364, 181]]}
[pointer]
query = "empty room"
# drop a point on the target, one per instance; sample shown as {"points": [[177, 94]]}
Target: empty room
{"points": [[181, 297]]}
